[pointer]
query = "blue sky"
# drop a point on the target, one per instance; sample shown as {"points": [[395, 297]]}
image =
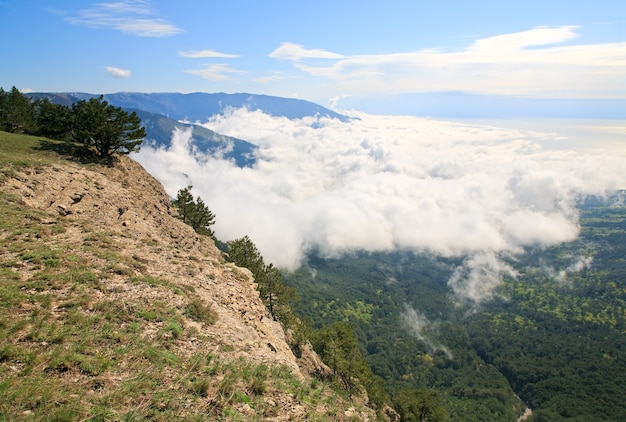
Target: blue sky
{"points": [[458, 58]]}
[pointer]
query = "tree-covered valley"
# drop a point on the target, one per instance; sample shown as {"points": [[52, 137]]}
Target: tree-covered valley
{"points": [[551, 338]]}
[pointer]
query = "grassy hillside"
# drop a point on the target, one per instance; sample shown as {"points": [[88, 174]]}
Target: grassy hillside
{"points": [[112, 309]]}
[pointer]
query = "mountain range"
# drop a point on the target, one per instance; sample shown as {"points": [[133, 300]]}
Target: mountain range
{"points": [[161, 113], [199, 106]]}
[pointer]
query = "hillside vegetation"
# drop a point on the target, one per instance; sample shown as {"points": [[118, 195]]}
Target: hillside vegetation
{"points": [[111, 308]]}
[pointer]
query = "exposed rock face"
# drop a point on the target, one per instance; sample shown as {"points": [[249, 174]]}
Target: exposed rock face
{"points": [[128, 210], [133, 207]]}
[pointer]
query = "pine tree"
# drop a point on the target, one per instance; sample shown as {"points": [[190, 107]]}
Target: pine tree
{"points": [[420, 404], [4, 109], [338, 347], [245, 254], [54, 120], [106, 128], [17, 113], [194, 213], [275, 294]]}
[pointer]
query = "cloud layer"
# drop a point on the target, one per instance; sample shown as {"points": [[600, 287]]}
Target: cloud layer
{"points": [[214, 72], [383, 182]]}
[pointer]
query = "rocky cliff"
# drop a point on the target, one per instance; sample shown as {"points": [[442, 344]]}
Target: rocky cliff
{"points": [[125, 312]]}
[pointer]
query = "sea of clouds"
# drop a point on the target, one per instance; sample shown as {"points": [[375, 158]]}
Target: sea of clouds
{"points": [[378, 183]]}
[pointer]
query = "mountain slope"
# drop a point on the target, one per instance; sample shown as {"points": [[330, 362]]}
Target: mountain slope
{"points": [[161, 113], [199, 106], [111, 308], [159, 130]]}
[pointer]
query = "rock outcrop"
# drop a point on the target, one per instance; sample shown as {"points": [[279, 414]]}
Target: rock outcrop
{"points": [[123, 211], [133, 208]]}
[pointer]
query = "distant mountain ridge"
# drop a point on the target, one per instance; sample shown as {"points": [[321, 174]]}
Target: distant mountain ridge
{"points": [[159, 131], [161, 113], [199, 106]]}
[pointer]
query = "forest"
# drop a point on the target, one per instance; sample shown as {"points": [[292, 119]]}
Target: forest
{"points": [[553, 338]]}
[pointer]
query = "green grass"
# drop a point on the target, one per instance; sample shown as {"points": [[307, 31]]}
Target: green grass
{"points": [[20, 152], [199, 311]]}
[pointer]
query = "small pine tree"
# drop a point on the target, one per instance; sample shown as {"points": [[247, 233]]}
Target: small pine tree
{"points": [[275, 294], [244, 253], [4, 109], [278, 296], [420, 404], [194, 213], [338, 347]]}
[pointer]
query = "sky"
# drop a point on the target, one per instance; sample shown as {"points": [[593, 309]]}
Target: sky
{"points": [[479, 125], [447, 58]]}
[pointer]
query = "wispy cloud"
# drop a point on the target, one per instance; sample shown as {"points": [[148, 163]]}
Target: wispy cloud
{"points": [[420, 327], [117, 73], [135, 17], [295, 52], [478, 276], [201, 54], [274, 77], [527, 63], [215, 72]]}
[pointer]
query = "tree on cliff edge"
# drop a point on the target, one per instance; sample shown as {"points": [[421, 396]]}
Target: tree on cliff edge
{"points": [[194, 213], [108, 129]]}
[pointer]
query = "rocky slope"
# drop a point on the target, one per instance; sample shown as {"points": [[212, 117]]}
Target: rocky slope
{"points": [[103, 244]]}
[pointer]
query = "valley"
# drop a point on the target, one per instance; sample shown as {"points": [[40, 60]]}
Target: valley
{"points": [[554, 336]]}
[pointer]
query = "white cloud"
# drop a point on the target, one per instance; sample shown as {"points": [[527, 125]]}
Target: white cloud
{"points": [[214, 72], [420, 327], [383, 182], [334, 101], [200, 54], [526, 63], [295, 52], [577, 264], [117, 73], [539, 36], [131, 16], [479, 275]]}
